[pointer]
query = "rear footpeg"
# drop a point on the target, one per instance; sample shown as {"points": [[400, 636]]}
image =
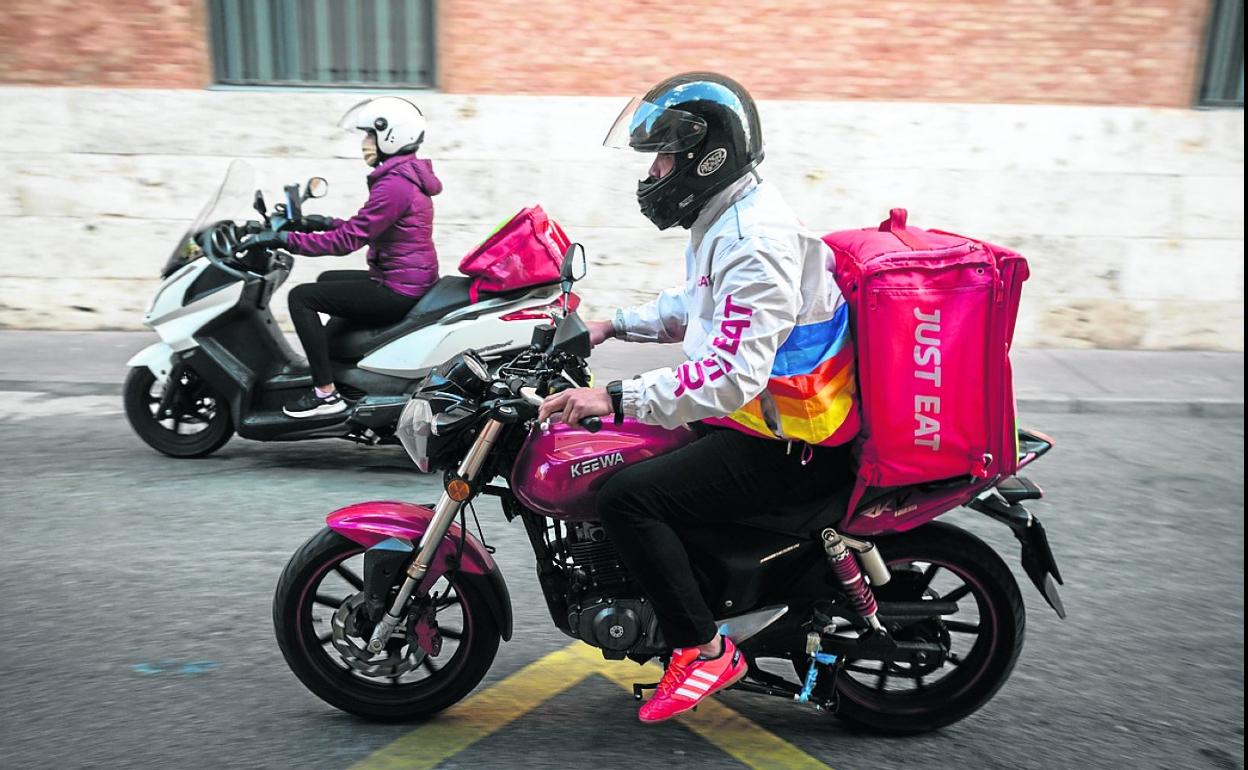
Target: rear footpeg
{"points": [[639, 689]]}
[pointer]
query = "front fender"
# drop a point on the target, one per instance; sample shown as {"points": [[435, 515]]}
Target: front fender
{"points": [[370, 523], [158, 357]]}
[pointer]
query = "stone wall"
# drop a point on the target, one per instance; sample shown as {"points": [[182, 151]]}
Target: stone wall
{"points": [[1133, 218]]}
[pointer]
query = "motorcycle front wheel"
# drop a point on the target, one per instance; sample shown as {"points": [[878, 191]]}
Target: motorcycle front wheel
{"points": [[313, 603], [198, 425], [982, 640]]}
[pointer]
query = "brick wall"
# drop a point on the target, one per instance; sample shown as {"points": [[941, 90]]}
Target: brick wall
{"points": [[125, 43], [1128, 52]]}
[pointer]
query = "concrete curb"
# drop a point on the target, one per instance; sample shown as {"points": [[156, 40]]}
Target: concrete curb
{"points": [[1202, 408], [1129, 406]]}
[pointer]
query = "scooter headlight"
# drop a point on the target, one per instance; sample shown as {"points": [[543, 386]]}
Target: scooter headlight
{"points": [[414, 429]]}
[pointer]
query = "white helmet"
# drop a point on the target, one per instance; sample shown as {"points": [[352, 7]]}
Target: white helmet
{"points": [[398, 124]]}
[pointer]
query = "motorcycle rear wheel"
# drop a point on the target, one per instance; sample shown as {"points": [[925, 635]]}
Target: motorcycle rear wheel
{"points": [[438, 683], [985, 637]]}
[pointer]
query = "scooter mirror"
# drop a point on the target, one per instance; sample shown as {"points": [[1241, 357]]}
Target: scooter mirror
{"points": [[258, 204], [316, 187]]}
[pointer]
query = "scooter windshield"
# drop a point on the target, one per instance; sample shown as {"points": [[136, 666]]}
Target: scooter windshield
{"points": [[232, 200]]}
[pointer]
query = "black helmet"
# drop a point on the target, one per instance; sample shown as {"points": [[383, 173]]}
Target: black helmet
{"points": [[709, 123]]}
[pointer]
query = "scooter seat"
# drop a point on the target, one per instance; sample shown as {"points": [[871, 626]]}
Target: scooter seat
{"points": [[350, 342], [449, 293]]}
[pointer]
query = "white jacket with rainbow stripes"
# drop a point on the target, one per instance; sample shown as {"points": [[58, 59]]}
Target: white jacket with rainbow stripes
{"points": [[763, 325]]}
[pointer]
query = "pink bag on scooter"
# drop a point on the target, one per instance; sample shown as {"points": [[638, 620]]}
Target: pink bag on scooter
{"points": [[933, 316], [526, 250]]}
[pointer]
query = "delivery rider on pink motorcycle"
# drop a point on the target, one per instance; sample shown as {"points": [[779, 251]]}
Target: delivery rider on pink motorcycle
{"points": [[769, 381]]}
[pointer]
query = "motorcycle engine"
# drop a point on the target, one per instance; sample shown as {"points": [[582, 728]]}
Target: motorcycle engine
{"points": [[615, 625], [603, 607]]}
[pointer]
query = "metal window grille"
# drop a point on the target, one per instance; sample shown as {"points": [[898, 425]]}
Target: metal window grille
{"points": [[1223, 82], [360, 43]]}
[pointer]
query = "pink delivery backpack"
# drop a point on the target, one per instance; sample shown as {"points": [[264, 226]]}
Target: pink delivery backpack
{"points": [[933, 315], [526, 250]]}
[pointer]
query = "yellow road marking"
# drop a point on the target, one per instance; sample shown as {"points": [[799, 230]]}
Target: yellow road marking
{"points": [[486, 712], [427, 746], [724, 728]]}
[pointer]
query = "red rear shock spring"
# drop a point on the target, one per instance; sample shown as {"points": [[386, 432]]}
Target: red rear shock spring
{"points": [[847, 571]]}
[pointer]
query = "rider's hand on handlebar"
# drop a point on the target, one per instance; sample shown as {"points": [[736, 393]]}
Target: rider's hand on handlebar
{"points": [[575, 404], [312, 223], [263, 240], [600, 331]]}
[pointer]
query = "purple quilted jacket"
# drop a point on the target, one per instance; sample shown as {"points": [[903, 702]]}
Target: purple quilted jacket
{"points": [[396, 224]]}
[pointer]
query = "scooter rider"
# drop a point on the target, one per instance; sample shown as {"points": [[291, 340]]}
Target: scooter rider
{"points": [[396, 223], [768, 383]]}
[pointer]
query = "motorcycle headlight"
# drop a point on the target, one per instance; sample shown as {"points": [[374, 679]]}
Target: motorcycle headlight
{"points": [[468, 372], [414, 429]]}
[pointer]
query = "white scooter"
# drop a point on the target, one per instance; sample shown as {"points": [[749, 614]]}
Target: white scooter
{"points": [[223, 365]]}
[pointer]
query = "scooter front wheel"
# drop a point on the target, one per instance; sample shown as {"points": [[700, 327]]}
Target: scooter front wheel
{"points": [[194, 422]]}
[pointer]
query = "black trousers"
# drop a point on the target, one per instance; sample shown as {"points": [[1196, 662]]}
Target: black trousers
{"points": [[348, 294], [722, 476]]}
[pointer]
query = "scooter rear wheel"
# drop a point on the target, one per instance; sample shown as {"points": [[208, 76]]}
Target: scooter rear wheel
{"points": [[201, 423]]}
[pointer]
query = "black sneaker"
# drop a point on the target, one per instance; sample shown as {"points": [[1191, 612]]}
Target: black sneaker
{"points": [[312, 405]]}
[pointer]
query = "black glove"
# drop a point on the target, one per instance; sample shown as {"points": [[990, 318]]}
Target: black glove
{"points": [[263, 240], [312, 223]]}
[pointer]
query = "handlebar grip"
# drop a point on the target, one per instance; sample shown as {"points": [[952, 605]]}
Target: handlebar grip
{"points": [[591, 424]]}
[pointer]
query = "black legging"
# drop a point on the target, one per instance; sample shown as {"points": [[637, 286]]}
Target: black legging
{"points": [[348, 294], [724, 475]]}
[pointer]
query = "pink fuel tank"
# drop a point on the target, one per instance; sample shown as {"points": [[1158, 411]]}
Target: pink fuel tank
{"points": [[561, 469]]}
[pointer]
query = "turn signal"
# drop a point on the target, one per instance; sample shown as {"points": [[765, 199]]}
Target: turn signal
{"points": [[458, 490]]}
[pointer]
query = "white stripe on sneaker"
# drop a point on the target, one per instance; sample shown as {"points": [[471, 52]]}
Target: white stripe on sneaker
{"points": [[689, 693], [703, 686], [712, 678]]}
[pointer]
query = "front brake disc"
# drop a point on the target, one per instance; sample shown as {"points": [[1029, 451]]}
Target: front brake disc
{"points": [[389, 663]]}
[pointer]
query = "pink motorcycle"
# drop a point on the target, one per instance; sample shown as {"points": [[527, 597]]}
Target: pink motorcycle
{"points": [[888, 619]]}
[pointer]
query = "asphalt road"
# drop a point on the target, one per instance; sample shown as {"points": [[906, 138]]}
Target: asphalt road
{"points": [[137, 632]]}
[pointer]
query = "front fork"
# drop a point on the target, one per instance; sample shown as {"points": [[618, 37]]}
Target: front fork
{"points": [[171, 391], [443, 516]]}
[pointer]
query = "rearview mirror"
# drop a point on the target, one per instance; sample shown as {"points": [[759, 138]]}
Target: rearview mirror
{"points": [[258, 204], [316, 187], [572, 269]]}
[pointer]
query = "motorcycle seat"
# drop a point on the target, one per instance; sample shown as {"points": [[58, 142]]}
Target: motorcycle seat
{"points": [[349, 341], [805, 518]]}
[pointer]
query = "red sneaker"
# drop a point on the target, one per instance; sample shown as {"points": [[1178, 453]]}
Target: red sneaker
{"points": [[689, 679]]}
